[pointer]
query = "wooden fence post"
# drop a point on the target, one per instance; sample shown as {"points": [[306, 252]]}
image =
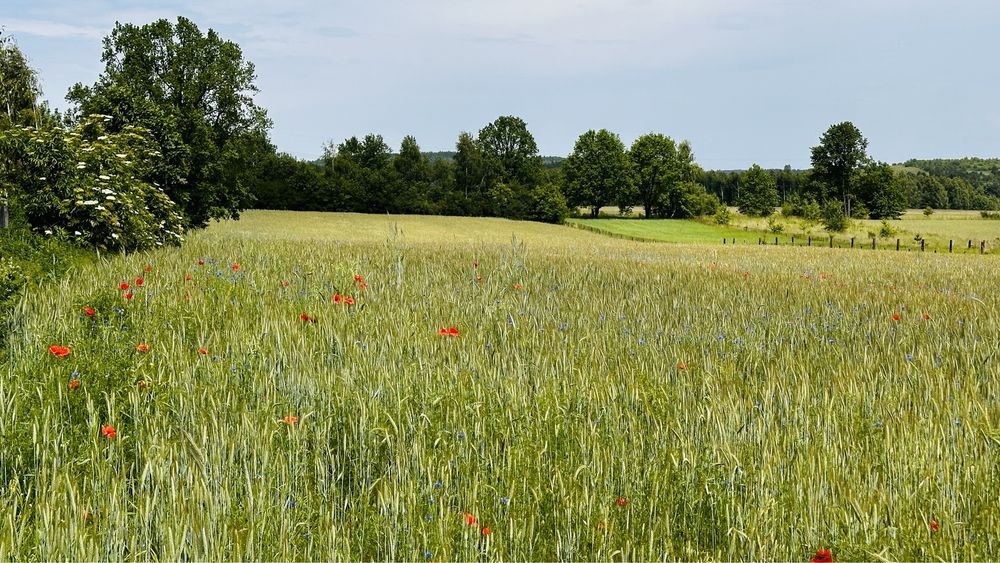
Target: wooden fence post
{"points": [[852, 242], [831, 241], [897, 244], [775, 241], [873, 243], [793, 240], [951, 243], [922, 245], [970, 244], [982, 247], [810, 242]]}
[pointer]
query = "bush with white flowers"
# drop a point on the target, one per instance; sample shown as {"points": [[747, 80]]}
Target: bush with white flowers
{"points": [[86, 184]]}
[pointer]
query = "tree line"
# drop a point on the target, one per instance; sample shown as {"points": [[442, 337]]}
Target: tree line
{"points": [[169, 137]]}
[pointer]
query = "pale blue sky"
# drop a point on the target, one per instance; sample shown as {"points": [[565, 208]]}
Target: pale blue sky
{"points": [[744, 81]]}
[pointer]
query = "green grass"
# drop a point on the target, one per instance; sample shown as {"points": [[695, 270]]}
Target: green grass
{"points": [[937, 231], [804, 417]]}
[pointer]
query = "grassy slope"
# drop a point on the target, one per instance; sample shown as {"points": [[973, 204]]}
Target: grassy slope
{"points": [[941, 227], [804, 418]]}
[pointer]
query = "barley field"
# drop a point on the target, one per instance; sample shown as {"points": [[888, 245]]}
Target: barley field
{"points": [[308, 386]]}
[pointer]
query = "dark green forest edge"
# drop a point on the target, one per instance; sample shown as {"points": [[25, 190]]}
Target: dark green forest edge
{"points": [[169, 138]]}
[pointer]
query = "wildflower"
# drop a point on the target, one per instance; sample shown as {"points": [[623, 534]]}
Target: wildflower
{"points": [[338, 298], [479, 278], [148, 268], [290, 419], [236, 267], [518, 285], [926, 317], [935, 527], [89, 312], [59, 351], [128, 295], [203, 351], [486, 531], [450, 331], [602, 526], [475, 263], [896, 317], [746, 275], [138, 282], [74, 383], [142, 347], [142, 384], [428, 555], [284, 283], [621, 501], [109, 431], [505, 501], [123, 286], [201, 262], [188, 277], [823, 556], [349, 300], [306, 318], [681, 365], [470, 519], [358, 278]]}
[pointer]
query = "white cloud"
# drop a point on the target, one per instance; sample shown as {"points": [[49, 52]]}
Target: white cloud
{"points": [[52, 29]]}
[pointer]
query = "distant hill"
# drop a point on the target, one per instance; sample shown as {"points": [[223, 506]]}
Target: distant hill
{"points": [[976, 171]]}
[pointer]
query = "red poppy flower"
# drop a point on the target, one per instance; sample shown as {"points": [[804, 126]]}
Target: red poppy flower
{"points": [[358, 278], [935, 527], [90, 312], [306, 318], [487, 531], [362, 285], [123, 286], [148, 268], [823, 556], [284, 283], [746, 275], [128, 295], [518, 285], [926, 317], [203, 351], [201, 262], [621, 501], [349, 301], [142, 384], [479, 278], [138, 282], [338, 298], [470, 519], [109, 431], [143, 347], [290, 419], [59, 351], [188, 277], [450, 331], [236, 267], [896, 317], [681, 365], [74, 383]]}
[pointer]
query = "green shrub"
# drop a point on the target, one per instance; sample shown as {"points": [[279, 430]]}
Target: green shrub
{"points": [[723, 216], [548, 204], [886, 230], [833, 217], [85, 184], [774, 225]]}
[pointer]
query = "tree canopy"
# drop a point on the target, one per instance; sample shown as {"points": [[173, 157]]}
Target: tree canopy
{"points": [[194, 92], [758, 192], [598, 172], [840, 152]]}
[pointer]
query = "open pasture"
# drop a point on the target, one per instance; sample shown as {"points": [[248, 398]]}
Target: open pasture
{"points": [[328, 386]]}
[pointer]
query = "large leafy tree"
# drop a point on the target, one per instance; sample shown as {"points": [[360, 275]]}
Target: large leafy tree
{"points": [[658, 169], [881, 191], [598, 172], [510, 152], [19, 89], [758, 192], [194, 92], [841, 152]]}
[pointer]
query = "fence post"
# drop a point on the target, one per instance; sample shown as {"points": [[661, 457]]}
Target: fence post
{"points": [[897, 244], [982, 247], [970, 244], [831, 241], [775, 241], [852, 242], [810, 241], [793, 240], [950, 244], [873, 243], [922, 245]]}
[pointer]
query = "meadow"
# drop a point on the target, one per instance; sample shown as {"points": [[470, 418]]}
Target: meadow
{"points": [[936, 231], [316, 386]]}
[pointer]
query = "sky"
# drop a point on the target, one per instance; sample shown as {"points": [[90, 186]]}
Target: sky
{"points": [[752, 81]]}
